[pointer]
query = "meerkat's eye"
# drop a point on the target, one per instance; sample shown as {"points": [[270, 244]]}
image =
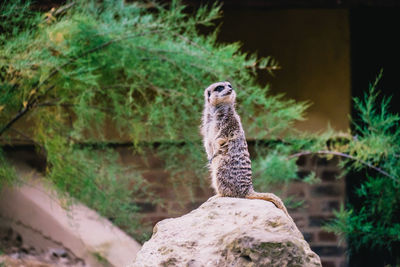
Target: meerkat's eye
{"points": [[219, 88], [230, 86]]}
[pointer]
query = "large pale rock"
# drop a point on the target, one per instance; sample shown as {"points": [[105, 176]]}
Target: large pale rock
{"points": [[228, 232]]}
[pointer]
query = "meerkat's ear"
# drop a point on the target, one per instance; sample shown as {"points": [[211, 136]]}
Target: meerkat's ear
{"points": [[209, 94]]}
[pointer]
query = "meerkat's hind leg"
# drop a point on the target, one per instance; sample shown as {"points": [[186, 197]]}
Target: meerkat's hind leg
{"points": [[269, 197]]}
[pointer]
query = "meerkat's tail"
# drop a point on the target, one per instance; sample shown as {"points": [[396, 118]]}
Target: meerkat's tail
{"points": [[269, 197]]}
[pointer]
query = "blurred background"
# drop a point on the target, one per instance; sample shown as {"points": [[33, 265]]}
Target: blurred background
{"points": [[328, 52]]}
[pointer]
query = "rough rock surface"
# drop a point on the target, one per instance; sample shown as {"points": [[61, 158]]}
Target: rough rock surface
{"points": [[228, 232]]}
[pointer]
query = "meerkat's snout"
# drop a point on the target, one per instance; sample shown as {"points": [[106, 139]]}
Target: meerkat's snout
{"points": [[228, 92]]}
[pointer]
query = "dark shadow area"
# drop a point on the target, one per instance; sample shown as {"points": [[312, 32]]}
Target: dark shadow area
{"points": [[374, 46]]}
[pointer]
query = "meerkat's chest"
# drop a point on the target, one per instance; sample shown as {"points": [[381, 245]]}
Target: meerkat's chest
{"points": [[212, 130]]}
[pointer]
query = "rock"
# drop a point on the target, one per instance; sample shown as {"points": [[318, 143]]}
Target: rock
{"points": [[228, 232]]}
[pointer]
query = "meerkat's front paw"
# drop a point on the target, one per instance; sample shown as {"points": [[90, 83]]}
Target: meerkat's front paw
{"points": [[211, 159]]}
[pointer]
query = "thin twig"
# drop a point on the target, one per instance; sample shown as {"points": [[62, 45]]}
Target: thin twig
{"points": [[187, 40], [20, 114], [344, 155], [174, 63], [64, 8]]}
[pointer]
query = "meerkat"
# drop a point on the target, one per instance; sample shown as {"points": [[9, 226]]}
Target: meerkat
{"points": [[226, 147]]}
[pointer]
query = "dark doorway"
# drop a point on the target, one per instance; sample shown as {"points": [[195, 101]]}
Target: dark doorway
{"points": [[374, 46]]}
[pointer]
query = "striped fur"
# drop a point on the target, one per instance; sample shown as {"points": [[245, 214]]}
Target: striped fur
{"points": [[226, 147]]}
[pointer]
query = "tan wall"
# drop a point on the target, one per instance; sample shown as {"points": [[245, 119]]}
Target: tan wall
{"points": [[313, 49]]}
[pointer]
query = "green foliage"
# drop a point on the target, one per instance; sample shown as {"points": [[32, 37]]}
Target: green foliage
{"points": [[375, 148], [372, 151], [94, 176], [103, 261], [376, 222], [274, 161], [7, 172], [378, 135], [140, 69], [91, 73], [95, 72], [16, 18], [311, 179], [272, 168]]}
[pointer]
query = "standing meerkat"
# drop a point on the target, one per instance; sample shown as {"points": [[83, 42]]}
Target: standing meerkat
{"points": [[226, 146]]}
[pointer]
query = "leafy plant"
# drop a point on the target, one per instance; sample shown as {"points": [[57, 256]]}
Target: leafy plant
{"points": [[89, 73], [7, 172], [372, 150], [92, 73], [373, 153]]}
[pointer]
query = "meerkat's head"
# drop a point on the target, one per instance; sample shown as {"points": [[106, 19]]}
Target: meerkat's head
{"points": [[220, 93]]}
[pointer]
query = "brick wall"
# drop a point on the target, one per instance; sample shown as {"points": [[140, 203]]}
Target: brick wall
{"points": [[319, 200], [176, 200]]}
